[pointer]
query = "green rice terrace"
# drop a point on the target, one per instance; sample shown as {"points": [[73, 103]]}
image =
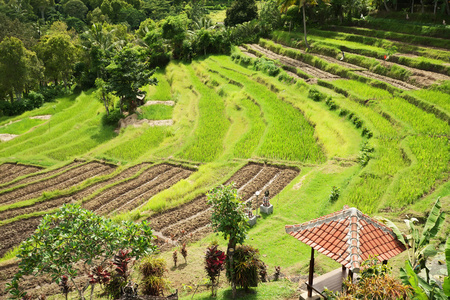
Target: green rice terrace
{"points": [[349, 115]]}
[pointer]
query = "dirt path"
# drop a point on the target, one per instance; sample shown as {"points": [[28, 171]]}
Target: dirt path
{"points": [[4, 137], [9, 171], [394, 82], [358, 70], [244, 51], [153, 102]]}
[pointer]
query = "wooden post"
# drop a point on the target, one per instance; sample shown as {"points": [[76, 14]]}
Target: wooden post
{"points": [[350, 274], [311, 273]]}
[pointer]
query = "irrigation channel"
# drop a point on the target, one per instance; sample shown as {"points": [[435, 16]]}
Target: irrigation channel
{"points": [[136, 184]]}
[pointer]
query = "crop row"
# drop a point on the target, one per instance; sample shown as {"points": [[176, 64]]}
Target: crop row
{"points": [[206, 143], [47, 204], [190, 221], [288, 135], [9, 171], [130, 194], [69, 178], [36, 177]]}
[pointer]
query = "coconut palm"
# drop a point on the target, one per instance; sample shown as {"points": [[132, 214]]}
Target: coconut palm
{"points": [[285, 4]]}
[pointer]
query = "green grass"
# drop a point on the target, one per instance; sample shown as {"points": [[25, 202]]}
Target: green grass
{"points": [[21, 126], [137, 143], [162, 91], [156, 112], [440, 99], [282, 138], [206, 143]]}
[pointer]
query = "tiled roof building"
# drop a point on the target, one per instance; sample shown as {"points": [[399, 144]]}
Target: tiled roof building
{"points": [[349, 237]]}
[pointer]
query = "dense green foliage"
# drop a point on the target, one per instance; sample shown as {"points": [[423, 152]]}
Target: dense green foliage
{"points": [[73, 235]]}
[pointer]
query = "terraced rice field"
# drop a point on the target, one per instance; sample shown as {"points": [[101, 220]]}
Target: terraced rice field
{"points": [[231, 122]]}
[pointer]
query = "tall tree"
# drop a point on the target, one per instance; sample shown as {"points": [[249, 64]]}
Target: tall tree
{"points": [[285, 4], [229, 218], [127, 74], [241, 11], [13, 66], [58, 54]]}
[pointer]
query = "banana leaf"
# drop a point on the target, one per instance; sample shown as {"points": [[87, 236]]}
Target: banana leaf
{"points": [[433, 225]]}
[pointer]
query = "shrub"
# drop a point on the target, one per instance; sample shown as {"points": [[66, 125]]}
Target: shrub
{"points": [[119, 277], [214, 263], [335, 193], [247, 266], [35, 99], [364, 154], [152, 270], [113, 118], [315, 95]]}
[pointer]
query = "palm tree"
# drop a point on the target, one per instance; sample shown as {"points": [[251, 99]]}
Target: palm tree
{"points": [[285, 4]]}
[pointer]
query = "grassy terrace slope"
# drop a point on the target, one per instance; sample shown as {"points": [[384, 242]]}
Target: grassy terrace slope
{"points": [[380, 132]]}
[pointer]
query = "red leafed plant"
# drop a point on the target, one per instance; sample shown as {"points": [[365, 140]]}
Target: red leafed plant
{"points": [[99, 275], [215, 260], [121, 261]]}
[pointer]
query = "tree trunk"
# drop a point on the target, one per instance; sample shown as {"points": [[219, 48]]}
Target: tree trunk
{"points": [[422, 6], [11, 96], [231, 245], [435, 7], [447, 6], [385, 6], [412, 7], [106, 104], [304, 27]]}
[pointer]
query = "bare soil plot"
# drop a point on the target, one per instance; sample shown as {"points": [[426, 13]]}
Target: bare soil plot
{"points": [[63, 181], [59, 201], [4, 137], [37, 177], [9, 171], [132, 193], [313, 71], [153, 102], [191, 220]]}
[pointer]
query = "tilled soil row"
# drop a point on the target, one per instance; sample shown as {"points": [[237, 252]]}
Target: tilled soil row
{"points": [[14, 233], [188, 221], [137, 201], [115, 191], [59, 201], [33, 285], [397, 83], [179, 213], [67, 179], [313, 71], [10, 171], [40, 176], [358, 70], [135, 197]]}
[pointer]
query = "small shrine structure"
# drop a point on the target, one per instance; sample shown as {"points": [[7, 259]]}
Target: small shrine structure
{"points": [[349, 237]]}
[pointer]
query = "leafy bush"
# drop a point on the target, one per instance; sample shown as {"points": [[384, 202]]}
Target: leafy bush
{"points": [[331, 104], [364, 154], [35, 99], [119, 277], [267, 66], [152, 270], [50, 93], [247, 266], [316, 95], [335, 193], [214, 263], [113, 118]]}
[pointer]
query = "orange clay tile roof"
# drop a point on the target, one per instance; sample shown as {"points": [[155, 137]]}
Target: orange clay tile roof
{"points": [[349, 237]]}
